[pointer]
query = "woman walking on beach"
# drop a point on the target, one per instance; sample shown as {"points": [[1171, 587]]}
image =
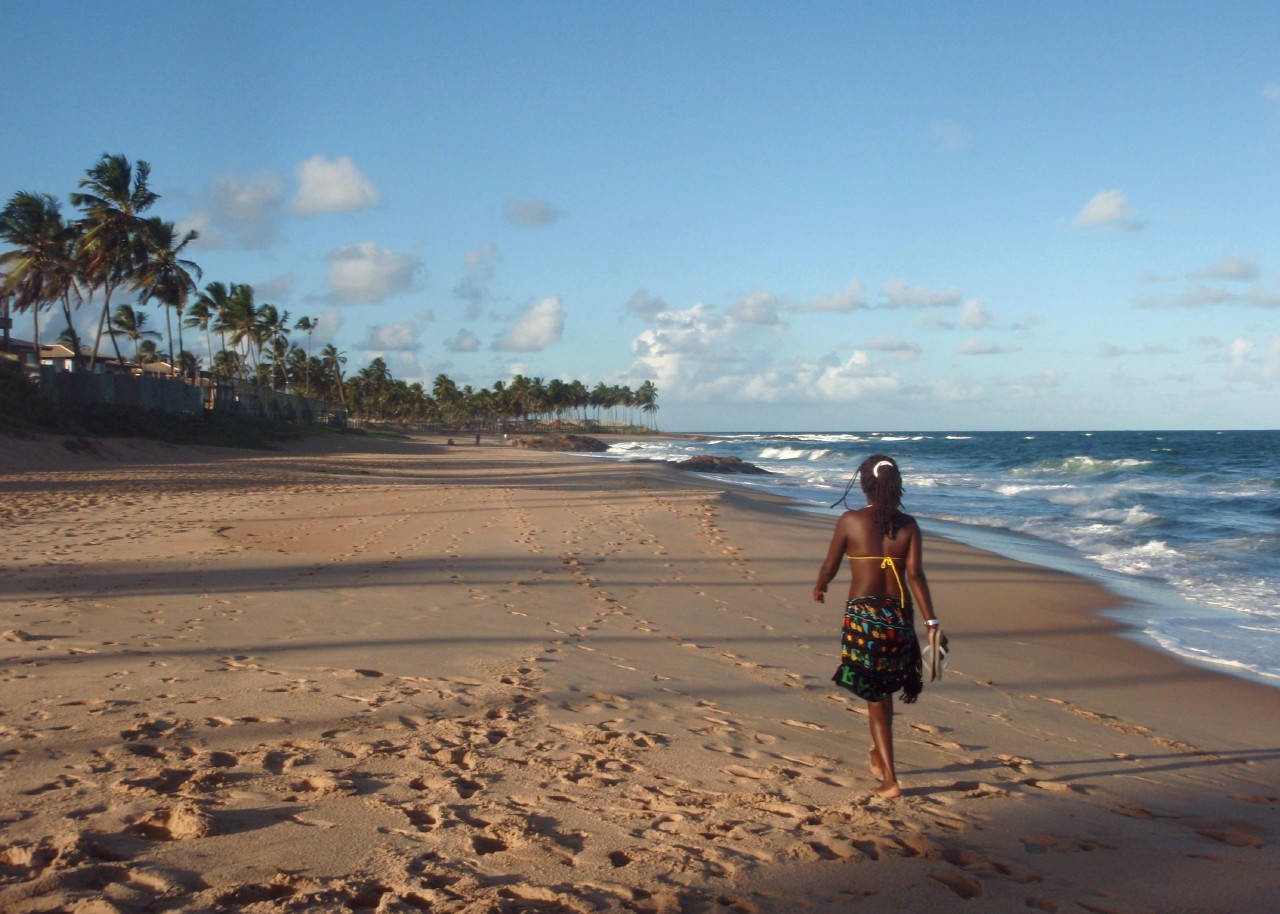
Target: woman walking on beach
{"points": [[880, 654]]}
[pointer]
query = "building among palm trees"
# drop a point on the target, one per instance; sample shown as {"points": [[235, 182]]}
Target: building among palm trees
{"points": [[56, 356]]}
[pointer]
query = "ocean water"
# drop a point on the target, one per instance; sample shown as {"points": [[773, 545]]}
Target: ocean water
{"points": [[1184, 525]]}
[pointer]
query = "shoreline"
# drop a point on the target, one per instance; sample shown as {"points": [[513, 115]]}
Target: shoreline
{"points": [[486, 678], [1147, 603]]}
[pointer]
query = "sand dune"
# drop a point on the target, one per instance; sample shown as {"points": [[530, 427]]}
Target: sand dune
{"points": [[394, 676]]}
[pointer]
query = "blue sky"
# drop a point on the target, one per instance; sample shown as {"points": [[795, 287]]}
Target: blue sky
{"points": [[823, 216]]}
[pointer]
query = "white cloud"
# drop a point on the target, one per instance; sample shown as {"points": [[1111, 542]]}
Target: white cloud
{"points": [[274, 289], [1271, 94], [697, 331], [1107, 207], [208, 238], [900, 295], [327, 324], [405, 365], [851, 298], [984, 347], [1230, 268], [849, 380], [975, 315], [531, 213], [1200, 295], [936, 320], [365, 273], [400, 336], [1112, 351], [1238, 351], [645, 306], [463, 341], [681, 346], [539, 326], [473, 288], [756, 308], [956, 390], [332, 186], [838, 382], [1271, 369], [247, 209], [902, 350], [948, 136], [1033, 385]]}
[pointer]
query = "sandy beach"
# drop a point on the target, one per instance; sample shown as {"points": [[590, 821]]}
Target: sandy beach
{"points": [[394, 676]]}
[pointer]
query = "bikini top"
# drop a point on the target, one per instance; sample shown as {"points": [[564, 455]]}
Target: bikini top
{"points": [[886, 561]]}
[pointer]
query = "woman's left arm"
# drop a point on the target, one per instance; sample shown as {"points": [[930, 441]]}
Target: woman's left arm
{"points": [[916, 579]]}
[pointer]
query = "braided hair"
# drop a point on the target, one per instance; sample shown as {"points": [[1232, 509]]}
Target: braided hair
{"points": [[881, 482]]}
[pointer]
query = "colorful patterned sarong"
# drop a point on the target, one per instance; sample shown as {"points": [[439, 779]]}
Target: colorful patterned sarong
{"points": [[879, 652]]}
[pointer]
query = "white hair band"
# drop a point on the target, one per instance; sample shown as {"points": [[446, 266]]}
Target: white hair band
{"points": [[875, 470]]}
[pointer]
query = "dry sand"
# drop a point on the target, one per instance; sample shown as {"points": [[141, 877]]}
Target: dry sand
{"points": [[394, 676]]}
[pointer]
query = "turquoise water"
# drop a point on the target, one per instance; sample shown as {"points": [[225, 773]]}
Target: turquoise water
{"points": [[1184, 525]]}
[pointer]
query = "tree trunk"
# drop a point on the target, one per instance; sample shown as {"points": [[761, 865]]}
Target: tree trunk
{"points": [[71, 328]]}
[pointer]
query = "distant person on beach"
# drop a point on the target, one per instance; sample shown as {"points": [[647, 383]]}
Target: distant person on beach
{"points": [[477, 439], [880, 654]]}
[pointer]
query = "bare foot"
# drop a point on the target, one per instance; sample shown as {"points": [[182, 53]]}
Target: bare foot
{"points": [[888, 791], [876, 769]]}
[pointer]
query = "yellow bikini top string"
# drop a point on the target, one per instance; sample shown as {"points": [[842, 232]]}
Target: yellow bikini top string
{"points": [[886, 561]]}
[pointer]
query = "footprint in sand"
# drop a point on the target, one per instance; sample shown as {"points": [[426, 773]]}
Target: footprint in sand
{"points": [[803, 724], [323, 785], [964, 886], [1045, 843], [1053, 786], [180, 822], [975, 790], [1015, 762], [1234, 833]]}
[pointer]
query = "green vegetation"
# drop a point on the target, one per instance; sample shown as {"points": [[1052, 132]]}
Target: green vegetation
{"points": [[113, 249], [23, 412]]}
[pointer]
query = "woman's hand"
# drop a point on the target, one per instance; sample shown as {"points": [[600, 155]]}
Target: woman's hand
{"points": [[819, 593]]}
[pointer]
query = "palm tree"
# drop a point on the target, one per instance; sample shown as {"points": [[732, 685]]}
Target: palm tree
{"points": [[376, 379], [647, 398], [272, 328], [41, 268], [188, 363], [558, 397], [238, 318], [447, 395], [298, 370], [206, 312], [227, 364], [147, 352], [276, 365], [627, 397], [600, 397], [333, 362], [309, 325], [579, 398], [164, 275], [133, 324], [115, 196]]}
